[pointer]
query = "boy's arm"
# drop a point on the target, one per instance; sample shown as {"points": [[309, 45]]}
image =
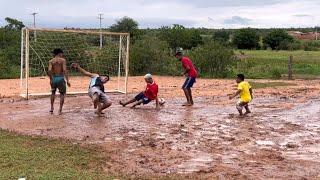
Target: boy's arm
{"points": [[50, 70], [186, 71], [83, 71], [234, 95], [65, 72], [251, 93]]}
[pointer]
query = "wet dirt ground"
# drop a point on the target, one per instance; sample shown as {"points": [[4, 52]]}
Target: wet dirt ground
{"points": [[279, 140]]}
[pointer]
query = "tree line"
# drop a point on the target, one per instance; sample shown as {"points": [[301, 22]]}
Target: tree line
{"points": [[152, 50]]}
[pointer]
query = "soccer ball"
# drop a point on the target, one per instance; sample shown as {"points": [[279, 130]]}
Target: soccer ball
{"points": [[162, 101]]}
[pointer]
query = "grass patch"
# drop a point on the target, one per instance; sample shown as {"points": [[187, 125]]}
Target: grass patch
{"points": [[42, 158], [259, 85], [273, 64]]}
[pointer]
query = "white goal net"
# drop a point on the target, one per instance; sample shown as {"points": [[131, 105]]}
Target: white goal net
{"points": [[97, 52]]}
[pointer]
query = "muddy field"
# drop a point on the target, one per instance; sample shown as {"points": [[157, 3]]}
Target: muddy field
{"points": [[280, 139]]}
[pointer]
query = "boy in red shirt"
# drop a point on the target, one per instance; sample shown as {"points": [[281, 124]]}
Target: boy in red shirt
{"points": [[145, 97], [191, 73]]}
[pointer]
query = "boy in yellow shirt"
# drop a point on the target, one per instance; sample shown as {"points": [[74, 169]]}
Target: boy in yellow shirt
{"points": [[245, 92]]}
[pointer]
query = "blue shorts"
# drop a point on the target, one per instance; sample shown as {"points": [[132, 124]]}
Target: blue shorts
{"points": [[188, 83], [142, 97], [58, 82]]}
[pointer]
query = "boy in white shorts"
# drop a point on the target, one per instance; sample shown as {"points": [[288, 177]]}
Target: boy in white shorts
{"points": [[96, 89]]}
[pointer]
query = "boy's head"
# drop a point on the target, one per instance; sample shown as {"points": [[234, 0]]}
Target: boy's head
{"points": [[148, 78], [57, 52], [179, 55], [104, 78], [240, 78]]}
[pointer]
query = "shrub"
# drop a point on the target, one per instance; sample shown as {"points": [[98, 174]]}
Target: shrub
{"points": [[151, 55], [213, 59]]}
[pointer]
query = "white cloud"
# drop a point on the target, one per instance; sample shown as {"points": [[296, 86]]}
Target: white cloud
{"points": [[155, 13]]}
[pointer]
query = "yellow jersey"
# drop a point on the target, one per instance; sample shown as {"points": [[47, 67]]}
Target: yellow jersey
{"points": [[245, 95]]}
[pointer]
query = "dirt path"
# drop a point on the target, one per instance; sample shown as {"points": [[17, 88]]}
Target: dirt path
{"points": [[280, 140]]}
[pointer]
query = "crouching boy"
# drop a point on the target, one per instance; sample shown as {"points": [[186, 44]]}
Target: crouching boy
{"points": [[96, 89]]}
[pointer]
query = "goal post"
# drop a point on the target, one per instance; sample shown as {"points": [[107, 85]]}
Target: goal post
{"points": [[104, 53]]}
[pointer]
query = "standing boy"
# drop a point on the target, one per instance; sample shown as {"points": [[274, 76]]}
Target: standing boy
{"points": [[145, 97], [57, 73], [191, 74], [96, 89], [245, 92]]}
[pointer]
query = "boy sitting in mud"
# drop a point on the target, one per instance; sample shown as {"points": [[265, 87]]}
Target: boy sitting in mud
{"points": [[57, 72], [245, 92], [96, 89], [145, 97]]}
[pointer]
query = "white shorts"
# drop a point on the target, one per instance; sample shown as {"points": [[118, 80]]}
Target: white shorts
{"points": [[240, 105], [102, 96]]}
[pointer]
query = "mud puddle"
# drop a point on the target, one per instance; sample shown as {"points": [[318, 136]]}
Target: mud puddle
{"points": [[280, 139]]}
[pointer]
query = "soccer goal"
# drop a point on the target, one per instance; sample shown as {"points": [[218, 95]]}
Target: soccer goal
{"points": [[97, 52]]}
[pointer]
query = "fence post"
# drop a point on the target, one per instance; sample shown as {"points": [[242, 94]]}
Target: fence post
{"points": [[290, 67]]}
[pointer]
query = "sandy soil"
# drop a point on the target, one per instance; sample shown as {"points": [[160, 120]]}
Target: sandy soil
{"points": [[279, 140]]}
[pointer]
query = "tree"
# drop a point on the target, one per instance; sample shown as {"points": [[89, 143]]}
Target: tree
{"points": [[278, 39], [213, 59], [127, 24], [13, 24], [246, 39], [221, 36], [179, 36]]}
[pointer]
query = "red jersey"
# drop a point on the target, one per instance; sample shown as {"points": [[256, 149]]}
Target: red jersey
{"points": [[187, 62], [151, 91]]}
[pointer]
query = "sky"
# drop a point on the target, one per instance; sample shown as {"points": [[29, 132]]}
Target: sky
{"points": [[157, 13]]}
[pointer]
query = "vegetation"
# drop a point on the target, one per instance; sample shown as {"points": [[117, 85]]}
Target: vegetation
{"points": [[271, 64], [214, 52], [278, 39], [246, 39], [179, 36], [213, 59], [42, 158], [260, 85]]}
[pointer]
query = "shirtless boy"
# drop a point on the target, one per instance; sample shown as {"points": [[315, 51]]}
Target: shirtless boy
{"points": [[57, 73]]}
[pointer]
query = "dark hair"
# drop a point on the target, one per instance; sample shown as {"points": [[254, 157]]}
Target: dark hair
{"points": [[57, 51], [240, 76], [106, 76], [178, 53]]}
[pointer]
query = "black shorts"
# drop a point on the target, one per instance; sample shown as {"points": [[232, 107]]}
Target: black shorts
{"points": [[142, 97]]}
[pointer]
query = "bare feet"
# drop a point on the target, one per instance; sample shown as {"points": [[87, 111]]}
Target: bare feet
{"points": [[98, 113], [60, 112], [121, 103], [247, 112], [187, 104]]}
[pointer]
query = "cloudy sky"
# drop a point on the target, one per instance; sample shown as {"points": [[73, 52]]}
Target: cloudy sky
{"points": [[157, 13]]}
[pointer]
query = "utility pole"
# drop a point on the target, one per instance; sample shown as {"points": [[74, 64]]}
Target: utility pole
{"points": [[100, 18], [316, 33], [34, 25]]}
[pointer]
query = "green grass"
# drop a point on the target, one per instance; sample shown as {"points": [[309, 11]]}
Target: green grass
{"points": [[42, 158], [259, 85], [274, 64]]}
